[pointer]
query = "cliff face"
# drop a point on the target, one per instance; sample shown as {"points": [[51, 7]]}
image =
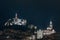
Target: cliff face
{"points": [[57, 36], [13, 34]]}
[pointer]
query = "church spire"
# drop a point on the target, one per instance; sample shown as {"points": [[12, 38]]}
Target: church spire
{"points": [[51, 24], [16, 15]]}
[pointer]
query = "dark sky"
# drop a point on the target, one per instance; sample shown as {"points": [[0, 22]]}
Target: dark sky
{"points": [[37, 12]]}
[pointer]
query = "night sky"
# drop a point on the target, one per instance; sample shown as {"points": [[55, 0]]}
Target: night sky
{"points": [[37, 12]]}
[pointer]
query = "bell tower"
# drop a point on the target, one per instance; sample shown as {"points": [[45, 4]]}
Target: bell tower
{"points": [[51, 24], [16, 16]]}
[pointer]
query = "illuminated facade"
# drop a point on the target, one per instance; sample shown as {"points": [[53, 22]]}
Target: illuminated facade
{"points": [[49, 29], [31, 33], [16, 21]]}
